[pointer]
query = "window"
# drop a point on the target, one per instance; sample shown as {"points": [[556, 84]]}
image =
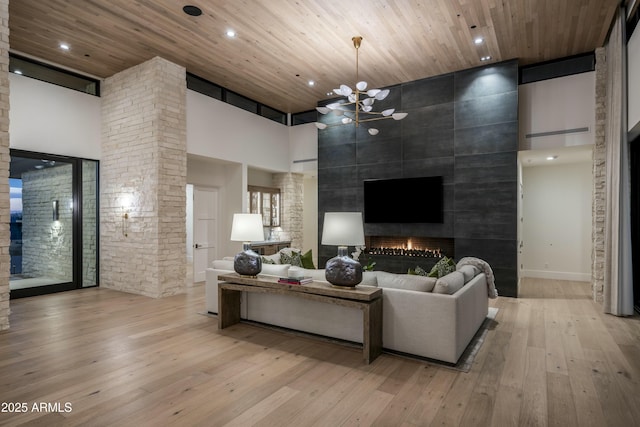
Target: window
{"points": [[265, 201], [50, 74]]}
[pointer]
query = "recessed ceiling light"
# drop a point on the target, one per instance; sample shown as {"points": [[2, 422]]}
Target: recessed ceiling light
{"points": [[552, 157], [311, 83], [192, 10], [485, 58], [230, 33], [17, 72], [64, 46], [478, 40]]}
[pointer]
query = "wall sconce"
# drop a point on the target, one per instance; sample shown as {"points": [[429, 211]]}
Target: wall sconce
{"points": [[56, 212], [125, 203]]}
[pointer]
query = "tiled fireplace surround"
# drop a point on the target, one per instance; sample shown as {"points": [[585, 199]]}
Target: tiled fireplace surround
{"points": [[462, 126]]}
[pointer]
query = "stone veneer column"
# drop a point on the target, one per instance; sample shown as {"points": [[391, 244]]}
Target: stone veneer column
{"points": [[599, 177], [144, 157], [5, 263], [291, 187]]}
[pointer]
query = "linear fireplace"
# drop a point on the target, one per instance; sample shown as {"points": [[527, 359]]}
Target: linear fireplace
{"points": [[398, 254]]}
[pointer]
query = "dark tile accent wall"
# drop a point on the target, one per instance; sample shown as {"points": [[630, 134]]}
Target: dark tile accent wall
{"points": [[462, 126]]}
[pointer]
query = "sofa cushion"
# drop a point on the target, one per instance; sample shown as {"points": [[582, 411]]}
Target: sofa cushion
{"points": [[445, 266], [409, 282], [222, 264], [279, 270], [469, 272], [369, 278], [450, 283]]}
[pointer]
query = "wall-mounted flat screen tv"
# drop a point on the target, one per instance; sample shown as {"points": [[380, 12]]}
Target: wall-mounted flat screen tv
{"points": [[404, 200]]}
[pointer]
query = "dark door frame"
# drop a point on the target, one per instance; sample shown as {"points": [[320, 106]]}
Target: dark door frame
{"points": [[77, 241]]}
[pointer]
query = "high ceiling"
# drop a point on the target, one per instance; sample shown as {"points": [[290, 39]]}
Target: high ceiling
{"points": [[282, 44]]}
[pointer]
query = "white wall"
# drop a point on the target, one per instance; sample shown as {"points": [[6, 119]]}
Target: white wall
{"points": [[557, 221], [46, 118], [221, 131], [633, 61], [554, 105], [303, 146]]}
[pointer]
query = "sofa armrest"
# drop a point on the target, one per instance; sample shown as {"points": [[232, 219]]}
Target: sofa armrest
{"points": [[211, 288], [435, 326]]}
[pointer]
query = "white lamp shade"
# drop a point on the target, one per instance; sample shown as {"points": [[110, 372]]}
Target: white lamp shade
{"points": [[343, 229], [247, 228]]}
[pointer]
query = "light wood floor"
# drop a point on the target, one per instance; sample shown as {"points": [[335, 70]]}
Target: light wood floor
{"points": [[117, 359]]}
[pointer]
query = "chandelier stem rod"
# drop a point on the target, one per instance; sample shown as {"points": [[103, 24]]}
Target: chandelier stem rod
{"points": [[356, 43], [357, 91]]}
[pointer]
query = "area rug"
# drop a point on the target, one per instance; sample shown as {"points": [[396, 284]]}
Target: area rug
{"points": [[464, 363], [468, 356]]}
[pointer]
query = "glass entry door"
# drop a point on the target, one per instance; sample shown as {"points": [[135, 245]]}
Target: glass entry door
{"points": [[46, 230]]}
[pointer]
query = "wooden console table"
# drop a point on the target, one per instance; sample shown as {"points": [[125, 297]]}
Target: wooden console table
{"points": [[367, 299]]}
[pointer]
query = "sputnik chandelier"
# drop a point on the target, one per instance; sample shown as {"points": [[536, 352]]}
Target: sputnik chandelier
{"points": [[358, 107]]}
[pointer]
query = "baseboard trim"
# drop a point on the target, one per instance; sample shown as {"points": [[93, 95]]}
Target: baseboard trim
{"points": [[556, 275]]}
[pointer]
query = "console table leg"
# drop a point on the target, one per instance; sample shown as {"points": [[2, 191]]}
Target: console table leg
{"points": [[372, 333], [228, 307]]}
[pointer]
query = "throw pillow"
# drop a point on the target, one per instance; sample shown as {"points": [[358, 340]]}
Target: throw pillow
{"points": [[449, 284], [293, 259], [418, 271], [274, 259], [469, 272], [443, 267], [307, 260], [267, 260]]}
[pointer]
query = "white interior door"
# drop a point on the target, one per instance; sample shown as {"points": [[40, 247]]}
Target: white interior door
{"points": [[205, 230]]}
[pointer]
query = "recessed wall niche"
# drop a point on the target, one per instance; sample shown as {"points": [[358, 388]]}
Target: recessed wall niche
{"points": [[462, 126]]}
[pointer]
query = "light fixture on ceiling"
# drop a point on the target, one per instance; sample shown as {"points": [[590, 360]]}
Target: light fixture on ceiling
{"points": [[230, 33], [64, 46], [485, 58], [552, 157], [358, 107], [478, 40], [192, 10]]}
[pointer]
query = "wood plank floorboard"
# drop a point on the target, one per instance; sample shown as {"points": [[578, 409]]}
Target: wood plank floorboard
{"points": [[550, 358]]}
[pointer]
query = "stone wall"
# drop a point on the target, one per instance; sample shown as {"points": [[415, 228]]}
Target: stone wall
{"points": [[599, 177], [5, 158], [291, 187], [47, 245], [144, 160], [89, 222]]}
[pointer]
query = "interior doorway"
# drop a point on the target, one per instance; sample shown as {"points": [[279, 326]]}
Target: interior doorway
{"points": [[555, 213], [204, 229]]}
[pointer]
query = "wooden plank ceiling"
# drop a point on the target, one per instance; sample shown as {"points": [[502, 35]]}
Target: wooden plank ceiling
{"points": [[282, 44]]}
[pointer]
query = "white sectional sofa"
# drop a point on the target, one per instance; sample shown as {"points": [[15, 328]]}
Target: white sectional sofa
{"points": [[422, 316]]}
